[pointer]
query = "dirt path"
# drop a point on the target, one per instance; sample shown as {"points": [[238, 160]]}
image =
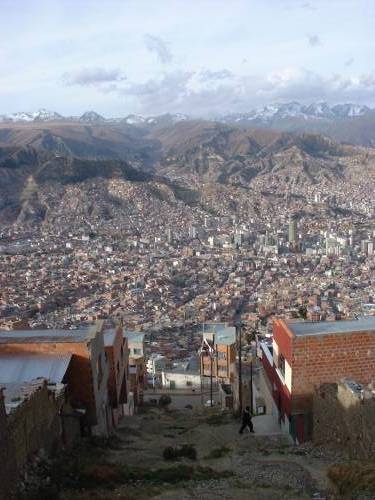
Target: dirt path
{"points": [[260, 466]]}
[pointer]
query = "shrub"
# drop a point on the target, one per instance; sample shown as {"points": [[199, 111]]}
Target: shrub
{"points": [[170, 453], [218, 452], [165, 400], [186, 451], [353, 477]]}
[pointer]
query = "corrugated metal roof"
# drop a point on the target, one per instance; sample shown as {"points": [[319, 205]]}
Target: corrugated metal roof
{"points": [[329, 327], [227, 336], [19, 368], [213, 327], [223, 334], [42, 336], [136, 337], [109, 337]]}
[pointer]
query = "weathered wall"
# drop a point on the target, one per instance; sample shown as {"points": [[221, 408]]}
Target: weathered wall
{"points": [[36, 424], [8, 471], [343, 421], [33, 425]]}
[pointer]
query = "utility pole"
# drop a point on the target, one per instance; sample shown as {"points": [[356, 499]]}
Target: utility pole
{"points": [[240, 366], [251, 386], [211, 403], [238, 324]]}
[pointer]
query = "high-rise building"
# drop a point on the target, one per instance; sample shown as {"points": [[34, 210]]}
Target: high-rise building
{"points": [[192, 232], [292, 230]]}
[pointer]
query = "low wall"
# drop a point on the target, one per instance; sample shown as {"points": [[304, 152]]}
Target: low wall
{"points": [[344, 420], [33, 425]]}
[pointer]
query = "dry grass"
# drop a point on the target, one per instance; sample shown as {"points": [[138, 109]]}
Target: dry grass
{"points": [[353, 478]]}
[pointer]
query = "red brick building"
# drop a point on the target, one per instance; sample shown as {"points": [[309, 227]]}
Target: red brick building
{"points": [[305, 355], [116, 348], [87, 366], [137, 364]]}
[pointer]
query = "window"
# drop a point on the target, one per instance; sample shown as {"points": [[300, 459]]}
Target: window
{"points": [[222, 355], [189, 383], [99, 370], [281, 365], [137, 351]]}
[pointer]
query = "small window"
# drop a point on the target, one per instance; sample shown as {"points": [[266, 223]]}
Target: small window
{"points": [[99, 370], [281, 365], [189, 383]]}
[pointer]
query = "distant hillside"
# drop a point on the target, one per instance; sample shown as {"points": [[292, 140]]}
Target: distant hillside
{"points": [[87, 141], [219, 153], [29, 177]]}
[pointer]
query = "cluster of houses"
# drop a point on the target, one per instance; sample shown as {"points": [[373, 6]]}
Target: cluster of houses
{"points": [[57, 385]]}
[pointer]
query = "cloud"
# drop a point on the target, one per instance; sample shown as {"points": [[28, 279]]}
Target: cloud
{"points": [[211, 93], [93, 76], [222, 74], [156, 45], [349, 61], [307, 6], [313, 40]]}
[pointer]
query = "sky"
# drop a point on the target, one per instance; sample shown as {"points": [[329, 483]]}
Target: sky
{"points": [[199, 57]]}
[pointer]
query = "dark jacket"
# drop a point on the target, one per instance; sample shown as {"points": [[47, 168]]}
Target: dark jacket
{"points": [[246, 417]]}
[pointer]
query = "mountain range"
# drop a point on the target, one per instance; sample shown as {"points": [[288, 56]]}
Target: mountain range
{"points": [[347, 123], [318, 110], [38, 162]]}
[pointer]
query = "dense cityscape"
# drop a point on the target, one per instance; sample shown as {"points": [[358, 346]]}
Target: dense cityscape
{"points": [[187, 250]]}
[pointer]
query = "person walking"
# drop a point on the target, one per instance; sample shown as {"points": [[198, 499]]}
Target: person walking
{"points": [[246, 421]]}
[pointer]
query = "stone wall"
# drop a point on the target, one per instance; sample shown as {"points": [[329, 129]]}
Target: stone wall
{"points": [[8, 471], [35, 424], [344, 420]]}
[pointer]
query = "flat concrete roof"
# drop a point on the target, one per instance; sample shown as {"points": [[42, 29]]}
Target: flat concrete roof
{"points": [[331, 327]]}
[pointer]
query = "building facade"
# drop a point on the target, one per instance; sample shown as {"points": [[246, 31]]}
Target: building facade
{"points": [[80, 353], [220, 355], [306, 355]]}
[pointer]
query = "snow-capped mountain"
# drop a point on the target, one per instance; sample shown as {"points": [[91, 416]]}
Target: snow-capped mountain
{"points": [[167, 118], [275, 115], [42, 115], [318, 110], [135, 119], [91, 117], [349, 110]]}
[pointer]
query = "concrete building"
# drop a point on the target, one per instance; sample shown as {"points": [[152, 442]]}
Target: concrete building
{"points": [[222, 339], [185, 375], [137, 364], [156, 364], [305, 355], [116, 348], [293, 230]]}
